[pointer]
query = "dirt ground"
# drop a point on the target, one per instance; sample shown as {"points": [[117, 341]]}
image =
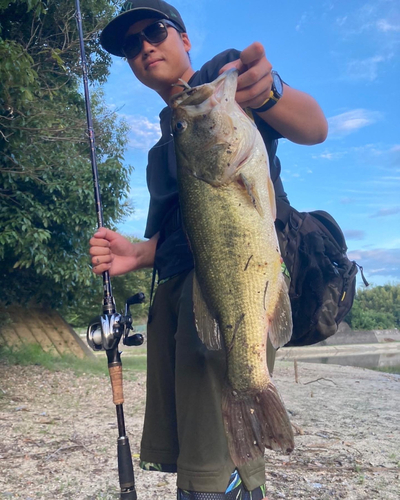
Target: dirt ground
{"points": [[58, 436]]}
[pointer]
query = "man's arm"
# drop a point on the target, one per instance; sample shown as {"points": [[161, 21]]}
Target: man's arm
{"points": [[297, 115]]}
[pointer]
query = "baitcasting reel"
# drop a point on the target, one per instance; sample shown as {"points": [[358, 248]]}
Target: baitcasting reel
{"points": [[104, 332]]}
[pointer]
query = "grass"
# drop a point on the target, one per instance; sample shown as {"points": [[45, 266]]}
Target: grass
{"points": [[387, 369], [33, 354]]}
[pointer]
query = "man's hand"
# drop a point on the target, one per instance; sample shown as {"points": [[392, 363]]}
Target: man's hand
{"points": [[296, 116], [112, 252], [255, 79]]}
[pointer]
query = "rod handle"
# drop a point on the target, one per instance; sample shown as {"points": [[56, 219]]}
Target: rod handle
{"points": [[125, 470], [115, 371]]}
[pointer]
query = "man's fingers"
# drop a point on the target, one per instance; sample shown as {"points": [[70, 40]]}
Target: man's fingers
{"points": [[101, 259], [100, 250], [248, 57], [254, 95], [96, 251], [100, 233], [105, 234], [234, 64], [255, 74], [96, 242], [99, 269], [252, 53], [101, 263]]}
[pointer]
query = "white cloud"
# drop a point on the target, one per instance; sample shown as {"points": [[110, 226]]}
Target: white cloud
{"points": [[370, 150], [139, 214], [328, 156], [143, 133], [301, 22], [354, 234], [378, 20], [385, 26], [340, 21], [351, 121], [347, 200], [380, 261], [366, 69], [384, 212]]}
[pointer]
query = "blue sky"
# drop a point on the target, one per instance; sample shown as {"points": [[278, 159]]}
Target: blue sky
{"points": [[343, 53]]}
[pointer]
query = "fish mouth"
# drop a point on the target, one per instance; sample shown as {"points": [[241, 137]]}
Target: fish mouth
{"points": [[212, 111], [214, 91]]}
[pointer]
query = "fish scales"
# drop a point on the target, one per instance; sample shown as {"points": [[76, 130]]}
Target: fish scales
{"points": [[227, 204], [237, 250]]}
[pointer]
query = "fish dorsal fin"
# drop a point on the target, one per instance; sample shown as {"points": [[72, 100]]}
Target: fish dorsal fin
{"points": [[281, 325], [271, 194], [252, 192], [206, 325]]}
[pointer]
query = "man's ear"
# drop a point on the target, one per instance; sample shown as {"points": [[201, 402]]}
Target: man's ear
{"points": [[186, 42]]}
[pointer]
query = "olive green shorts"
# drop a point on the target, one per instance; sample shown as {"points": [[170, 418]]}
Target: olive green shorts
{"points": [[183, 427]]}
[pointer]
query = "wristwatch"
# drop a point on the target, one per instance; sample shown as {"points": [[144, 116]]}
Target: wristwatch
{"points": [[275, 95]]}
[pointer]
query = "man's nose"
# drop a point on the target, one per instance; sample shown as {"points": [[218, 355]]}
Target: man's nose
{"points": [[146, 46]]}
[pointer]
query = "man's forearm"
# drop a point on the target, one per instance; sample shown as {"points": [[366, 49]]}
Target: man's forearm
{"points": [[298, 117], [145, 252]]}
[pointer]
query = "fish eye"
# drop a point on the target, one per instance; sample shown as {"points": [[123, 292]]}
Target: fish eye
{"points": [[180, 126]]}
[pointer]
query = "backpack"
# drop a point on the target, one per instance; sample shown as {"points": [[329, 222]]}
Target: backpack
{"points": [[323, 279]]}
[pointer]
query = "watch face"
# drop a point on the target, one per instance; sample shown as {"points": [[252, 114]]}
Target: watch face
{"points": [[277, 83]]}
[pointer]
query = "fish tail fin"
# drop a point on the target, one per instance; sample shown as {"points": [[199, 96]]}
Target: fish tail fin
{"points": [[254, 421]]}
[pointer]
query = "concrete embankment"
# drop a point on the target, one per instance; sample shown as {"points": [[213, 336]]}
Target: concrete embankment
{"points": [[368, 349], [345, 336], [289, 353]]}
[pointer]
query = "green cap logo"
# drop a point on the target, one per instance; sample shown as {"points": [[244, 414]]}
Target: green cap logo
{"points": [[126, 6]]}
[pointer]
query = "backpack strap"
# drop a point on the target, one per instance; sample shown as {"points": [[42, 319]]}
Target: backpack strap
{"points": [[283, 211], [288, 223], [333, 227]]}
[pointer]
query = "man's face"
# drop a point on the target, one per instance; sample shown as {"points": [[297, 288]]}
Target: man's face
{"points": [[159, 66]]}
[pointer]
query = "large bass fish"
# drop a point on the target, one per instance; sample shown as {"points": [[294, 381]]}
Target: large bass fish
{"points": [[239, 293]]}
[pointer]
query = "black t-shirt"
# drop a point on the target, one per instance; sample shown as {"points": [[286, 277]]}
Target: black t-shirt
{"points": [[173, 255]]}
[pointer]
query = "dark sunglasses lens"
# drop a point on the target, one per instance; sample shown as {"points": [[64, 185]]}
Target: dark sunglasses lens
{"points": [[156, 32], [132, 46]]}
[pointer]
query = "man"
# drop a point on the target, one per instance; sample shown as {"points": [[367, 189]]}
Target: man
{"points": [[183, 429]]}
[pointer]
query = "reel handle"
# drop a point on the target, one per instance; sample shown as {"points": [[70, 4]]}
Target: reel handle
{"points": [[138, 298]]}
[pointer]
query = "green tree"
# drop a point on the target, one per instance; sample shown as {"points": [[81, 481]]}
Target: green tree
{"points": [[47, 211], [376, 308]]}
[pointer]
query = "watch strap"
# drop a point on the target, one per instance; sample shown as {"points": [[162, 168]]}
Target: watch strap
{"points": [[272, 99], [267, 104]]}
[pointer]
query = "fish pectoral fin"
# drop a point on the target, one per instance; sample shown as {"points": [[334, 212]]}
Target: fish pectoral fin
{"points": [[254, 421], [281, 324], [272, 200], [206, 325], [252, 192]]}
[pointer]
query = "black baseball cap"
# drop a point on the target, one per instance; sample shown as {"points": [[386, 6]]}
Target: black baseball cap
{"points": [[113, 34]]}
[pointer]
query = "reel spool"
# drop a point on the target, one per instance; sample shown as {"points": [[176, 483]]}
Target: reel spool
{"points": [[104, 332]]}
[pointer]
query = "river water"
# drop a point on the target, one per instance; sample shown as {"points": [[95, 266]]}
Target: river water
{"points": [[388, 362]]}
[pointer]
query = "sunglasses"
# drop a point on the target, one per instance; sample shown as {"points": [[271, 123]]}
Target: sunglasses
{"points": [[153, 33]]}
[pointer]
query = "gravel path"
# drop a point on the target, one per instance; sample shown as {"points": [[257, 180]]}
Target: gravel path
{"points": [[58, 435]]}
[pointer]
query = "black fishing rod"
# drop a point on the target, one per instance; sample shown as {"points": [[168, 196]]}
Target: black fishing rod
{"points": [[105, 332]]}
